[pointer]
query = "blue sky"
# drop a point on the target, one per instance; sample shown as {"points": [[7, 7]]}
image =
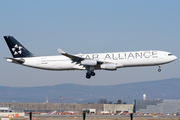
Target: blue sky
{"points": [[93, 26]]}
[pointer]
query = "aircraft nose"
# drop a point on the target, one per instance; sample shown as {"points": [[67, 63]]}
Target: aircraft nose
{"points": [[175, 57]]}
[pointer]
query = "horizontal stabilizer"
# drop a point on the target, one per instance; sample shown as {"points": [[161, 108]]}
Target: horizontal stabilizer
{"points": [[16, 60]]}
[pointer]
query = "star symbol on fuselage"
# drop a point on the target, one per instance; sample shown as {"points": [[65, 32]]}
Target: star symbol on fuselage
{"points": [[17, 49]]}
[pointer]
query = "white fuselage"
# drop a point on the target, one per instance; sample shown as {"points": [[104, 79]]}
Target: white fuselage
{"points": [[120, 59]]}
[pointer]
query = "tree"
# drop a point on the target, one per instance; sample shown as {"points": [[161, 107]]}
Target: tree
{"points": [[124, 102], [102, 101], [90, 102], [110, 102], [119, 101]]}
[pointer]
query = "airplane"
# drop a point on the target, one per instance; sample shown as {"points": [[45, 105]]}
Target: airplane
{"points": [[87, 62]]}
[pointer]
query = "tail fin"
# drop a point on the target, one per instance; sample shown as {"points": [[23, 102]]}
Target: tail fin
{"points": [[17, 50]]}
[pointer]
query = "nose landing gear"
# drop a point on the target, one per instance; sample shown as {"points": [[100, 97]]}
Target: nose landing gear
{"points": [[159, 68]]}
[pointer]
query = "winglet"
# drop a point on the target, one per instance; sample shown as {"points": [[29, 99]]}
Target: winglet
{"points": [[61, 51]]}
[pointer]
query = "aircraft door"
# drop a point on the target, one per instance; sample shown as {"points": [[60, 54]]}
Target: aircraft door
{"points": [[161, 56], [38, 61]]}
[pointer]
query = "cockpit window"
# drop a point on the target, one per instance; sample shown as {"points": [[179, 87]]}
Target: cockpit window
{"points": [[170, 54]]}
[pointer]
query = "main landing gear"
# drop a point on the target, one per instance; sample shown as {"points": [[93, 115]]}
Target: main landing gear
{"points": [[159, 68], [89, 74]]}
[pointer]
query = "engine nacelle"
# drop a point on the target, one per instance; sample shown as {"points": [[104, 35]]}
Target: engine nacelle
{"points": [[89, 62], [108, 66]]}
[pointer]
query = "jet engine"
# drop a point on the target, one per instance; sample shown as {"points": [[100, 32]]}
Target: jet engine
{"points": [[108, 66], [89, 62]]}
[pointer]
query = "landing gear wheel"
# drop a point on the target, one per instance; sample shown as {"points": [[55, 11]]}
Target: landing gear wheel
{"points": [[93, 73], [88, 76], [90, 73]]}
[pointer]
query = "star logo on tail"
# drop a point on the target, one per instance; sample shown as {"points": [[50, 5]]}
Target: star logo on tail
{"points": [[17, 49]]}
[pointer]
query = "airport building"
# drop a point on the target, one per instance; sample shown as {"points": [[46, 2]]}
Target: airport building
{"points": [[149, 106], [156, 106], [64, 107]]}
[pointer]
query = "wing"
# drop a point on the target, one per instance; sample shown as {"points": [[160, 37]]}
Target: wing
{"points": [[72, 57], [76, 58]]}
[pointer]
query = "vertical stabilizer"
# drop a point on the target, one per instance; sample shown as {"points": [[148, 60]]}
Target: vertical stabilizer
{"points": [[17, 50]]}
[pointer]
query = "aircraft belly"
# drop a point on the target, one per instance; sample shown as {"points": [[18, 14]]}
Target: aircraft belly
{"points": [[63, 65], [139, 62], [52, 65], [163, 61], [66, 65]]}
